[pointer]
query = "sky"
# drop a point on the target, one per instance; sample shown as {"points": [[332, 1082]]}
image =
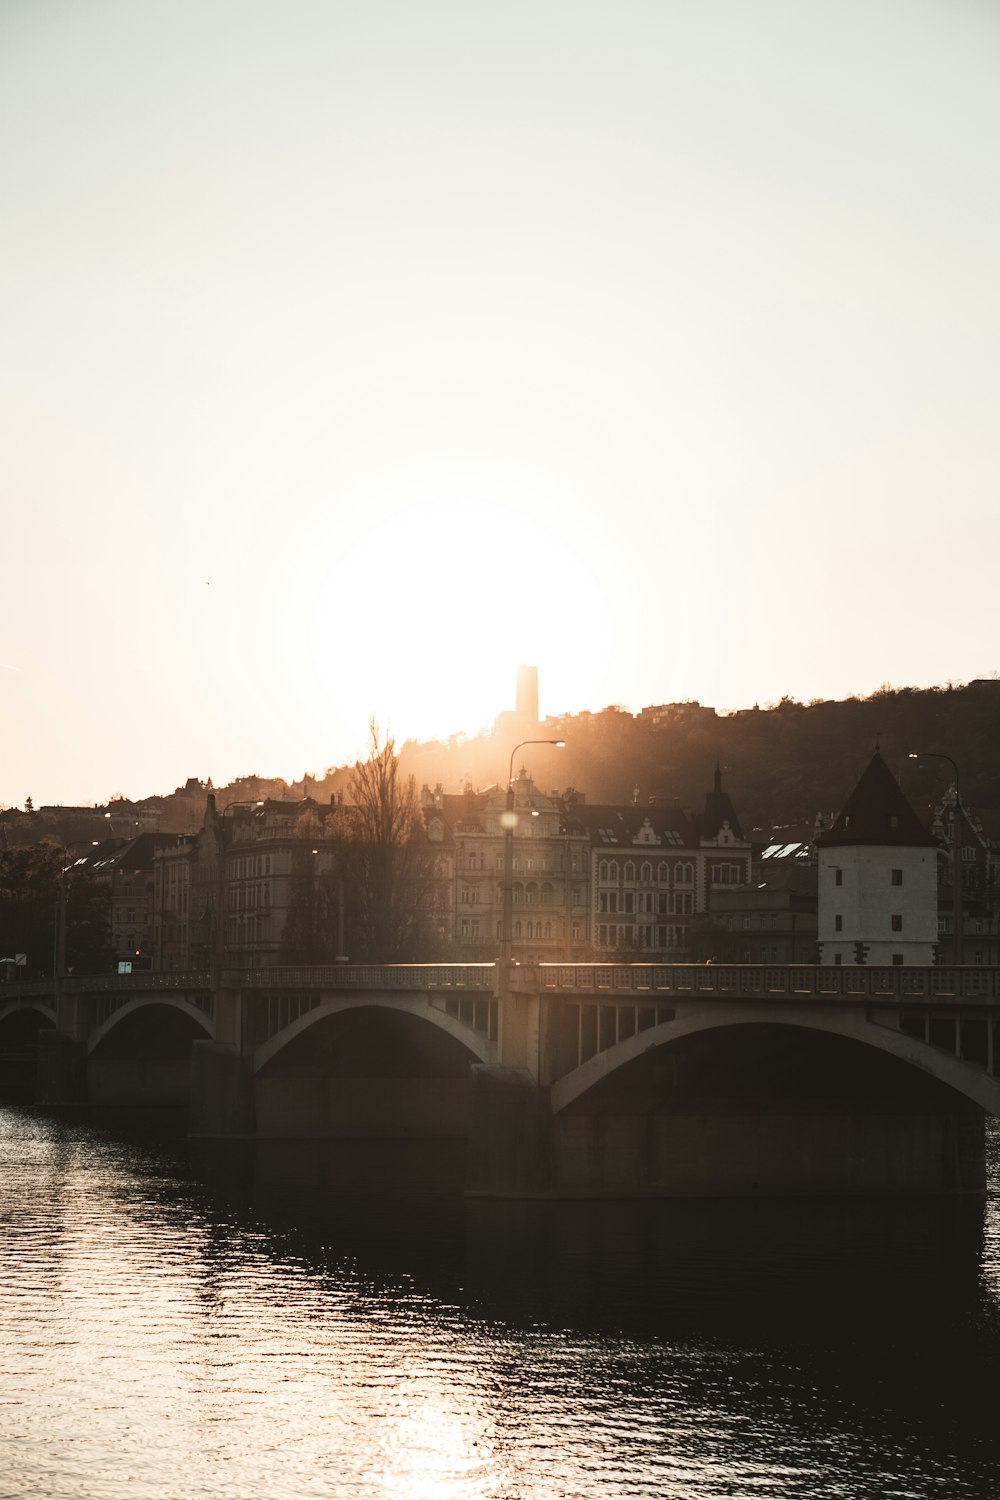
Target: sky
{"points": [[351, 354]]}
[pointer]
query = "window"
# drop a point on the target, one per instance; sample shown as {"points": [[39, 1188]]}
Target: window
{"points": [[838, 877], [897, 959], [838, 923], [836, 958], [897, 877], [897, 922]]}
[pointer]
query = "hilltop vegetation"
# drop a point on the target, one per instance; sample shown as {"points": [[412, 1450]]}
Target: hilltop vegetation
{"points": [[783, 763]]}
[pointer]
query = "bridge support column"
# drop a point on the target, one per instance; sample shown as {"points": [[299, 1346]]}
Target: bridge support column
{"points": [[509, 1128], [222, 1102], [61, 1076], [61, 1069], [222, 1083]]}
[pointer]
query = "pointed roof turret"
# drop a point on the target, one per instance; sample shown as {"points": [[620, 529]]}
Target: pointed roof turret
{"points": [[877, 812], [719, 809]]}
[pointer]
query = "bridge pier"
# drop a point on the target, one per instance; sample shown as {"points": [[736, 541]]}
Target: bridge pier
{"points": [[222, 1082], [222, 1092], [510, 1140], [61, 1077], [616, 1094]]}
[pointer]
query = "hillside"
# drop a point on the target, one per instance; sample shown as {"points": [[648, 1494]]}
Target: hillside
{"points": [[783, 764]]}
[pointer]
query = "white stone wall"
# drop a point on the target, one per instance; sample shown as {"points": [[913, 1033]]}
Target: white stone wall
{"points": [[866, 900]]}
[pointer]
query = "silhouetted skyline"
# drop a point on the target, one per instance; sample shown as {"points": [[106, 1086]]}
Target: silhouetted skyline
{"points": [[354, 354]]}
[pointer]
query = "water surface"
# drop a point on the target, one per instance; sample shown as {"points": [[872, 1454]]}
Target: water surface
{"points": [[337, 1321]]}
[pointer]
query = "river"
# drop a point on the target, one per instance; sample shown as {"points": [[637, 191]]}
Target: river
{"points": [[337, 1321]]}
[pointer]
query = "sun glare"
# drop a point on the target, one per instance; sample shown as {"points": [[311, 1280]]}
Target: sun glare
{"points": [[442, 583]]}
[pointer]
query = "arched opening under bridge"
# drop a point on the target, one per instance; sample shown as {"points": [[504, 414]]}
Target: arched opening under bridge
{"points": [[369, 1072], [141, 1057], [769, 1110], [20, 1027]]}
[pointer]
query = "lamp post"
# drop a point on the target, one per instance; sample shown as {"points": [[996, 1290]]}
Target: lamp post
{"points": [[62, 908], [956, 853], [341, 957], [508, 819]]}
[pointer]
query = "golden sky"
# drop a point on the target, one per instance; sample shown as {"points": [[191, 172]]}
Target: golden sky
{"points": [[353, 353]]}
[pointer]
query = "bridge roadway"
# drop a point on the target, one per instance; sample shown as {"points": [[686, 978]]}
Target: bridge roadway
{"points": [[538, 1044]]}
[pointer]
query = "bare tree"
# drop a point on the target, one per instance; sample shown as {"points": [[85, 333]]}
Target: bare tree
{"points": [[386, 856]]}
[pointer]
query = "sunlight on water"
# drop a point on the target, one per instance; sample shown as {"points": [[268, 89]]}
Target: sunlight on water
{"points": [[268, 1324]]}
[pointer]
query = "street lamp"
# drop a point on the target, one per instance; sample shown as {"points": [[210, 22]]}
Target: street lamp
{"points": [[956, 854], [341, 957], [62, 907], [508, 821]]}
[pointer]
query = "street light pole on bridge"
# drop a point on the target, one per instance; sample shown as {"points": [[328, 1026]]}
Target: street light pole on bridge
{"points": [[508, 819], [956, 855]]}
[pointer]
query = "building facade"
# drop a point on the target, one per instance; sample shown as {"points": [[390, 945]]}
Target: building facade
{"points": [[877, 878]]}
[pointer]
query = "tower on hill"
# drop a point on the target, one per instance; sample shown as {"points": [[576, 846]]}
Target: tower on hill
{"points": [[526, 703]]}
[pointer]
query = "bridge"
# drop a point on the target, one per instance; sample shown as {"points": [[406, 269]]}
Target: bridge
{"points": [[565, 1078]]}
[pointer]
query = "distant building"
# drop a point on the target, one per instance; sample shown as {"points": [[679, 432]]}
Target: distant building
{"points": [[550, 865], [225, 895], [772, 919], [654, 869], [980, 944], [878, 878]]}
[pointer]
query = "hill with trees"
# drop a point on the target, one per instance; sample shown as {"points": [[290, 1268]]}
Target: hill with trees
{"points": [[783, 764]]}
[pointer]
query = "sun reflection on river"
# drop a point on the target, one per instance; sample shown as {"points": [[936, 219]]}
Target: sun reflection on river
{"points": [[167, 1333]]}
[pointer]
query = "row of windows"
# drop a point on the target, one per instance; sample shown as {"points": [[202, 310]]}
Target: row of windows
{"points": [[896, 922], [640, 936], [895, 877], [531, 894], [641, 903], [474, 860], [608, 870], [246, 865], [243, 930], [470, 929], [249, 897]]}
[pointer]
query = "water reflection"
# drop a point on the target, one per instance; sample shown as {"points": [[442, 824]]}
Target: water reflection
{"points": [[338, 1321]]}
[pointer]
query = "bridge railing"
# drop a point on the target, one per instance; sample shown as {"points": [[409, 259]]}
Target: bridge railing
{"points": [[771, 981], [474, 977], [774, 981], [366, 977], [88, 984]]}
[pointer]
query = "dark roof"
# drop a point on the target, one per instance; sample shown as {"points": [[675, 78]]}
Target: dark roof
{"points": [[877, 812], [719, 810], [611, 825]]}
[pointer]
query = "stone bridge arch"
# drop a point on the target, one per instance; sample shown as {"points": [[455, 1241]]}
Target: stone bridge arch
{"points": [[18, 1007], [123, 1009], [972, 1082], [475, 1041]]}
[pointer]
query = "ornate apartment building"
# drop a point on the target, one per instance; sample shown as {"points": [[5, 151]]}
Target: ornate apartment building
{"points": [[259, 881]]}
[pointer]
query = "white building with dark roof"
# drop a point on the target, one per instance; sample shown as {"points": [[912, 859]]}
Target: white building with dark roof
{"points": [[878, 878]]}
